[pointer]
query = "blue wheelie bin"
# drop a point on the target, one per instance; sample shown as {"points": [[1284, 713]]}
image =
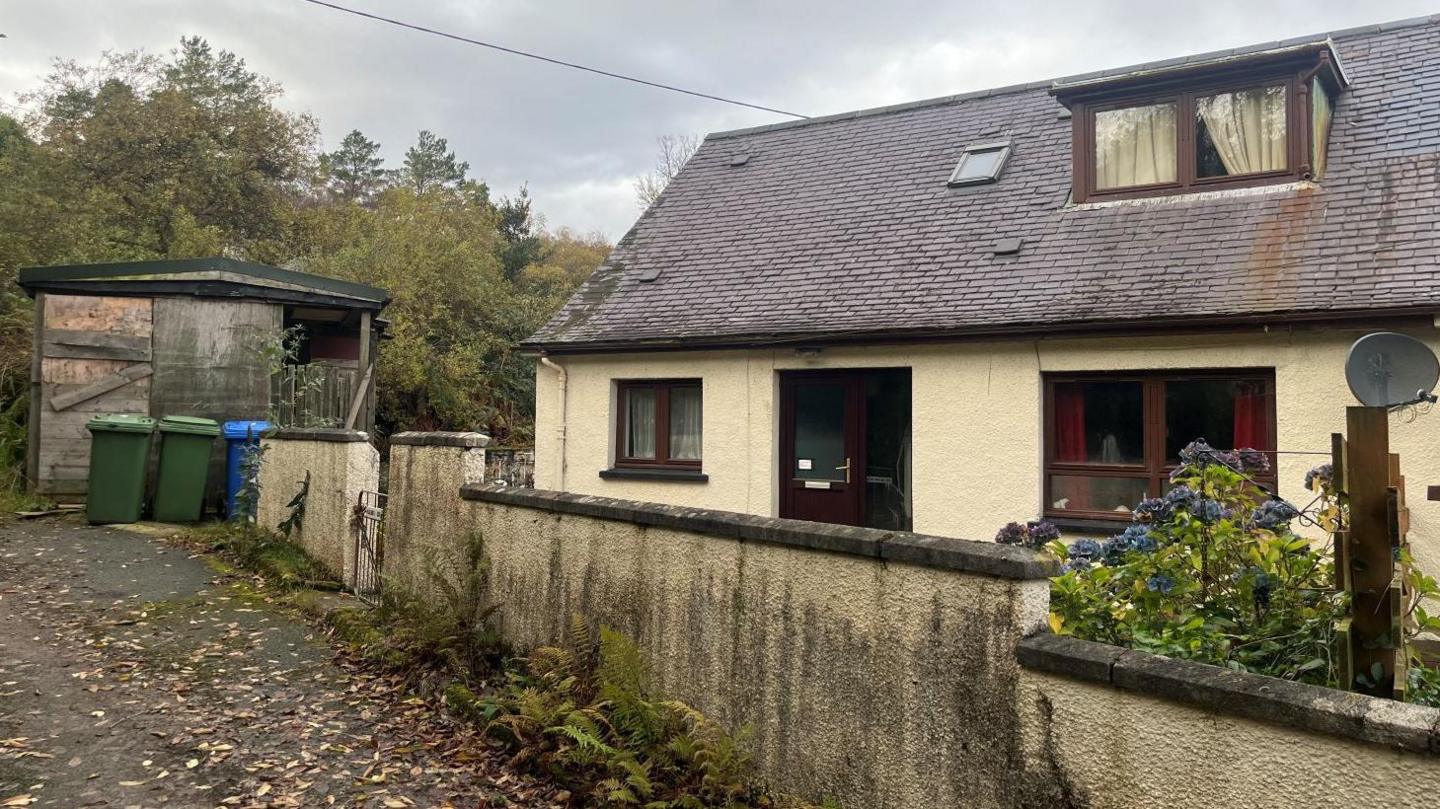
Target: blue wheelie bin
{"points": [[242, 439]]}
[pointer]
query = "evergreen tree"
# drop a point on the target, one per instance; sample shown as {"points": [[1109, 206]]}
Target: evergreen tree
{"points": [[430, 164], [356, 168], [521, 245]]}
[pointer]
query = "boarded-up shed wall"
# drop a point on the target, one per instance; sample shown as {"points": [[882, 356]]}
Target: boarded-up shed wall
{"points": [[89, 345], [211, 361]]}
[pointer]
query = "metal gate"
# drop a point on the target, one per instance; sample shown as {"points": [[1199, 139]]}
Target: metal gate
{"points": [[369, 525]]}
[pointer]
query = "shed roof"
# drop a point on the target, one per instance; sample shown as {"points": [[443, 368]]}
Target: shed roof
{"points": [[203, 277], [844, 228]]}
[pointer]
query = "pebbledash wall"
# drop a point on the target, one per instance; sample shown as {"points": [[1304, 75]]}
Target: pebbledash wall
{"points": [[891, 670], [339, 465], [977, 416]]}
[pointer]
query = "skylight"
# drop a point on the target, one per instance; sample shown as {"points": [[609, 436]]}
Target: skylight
{"points": [[981, 163]]}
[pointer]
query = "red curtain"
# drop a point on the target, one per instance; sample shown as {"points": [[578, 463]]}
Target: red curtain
{"points": [[1070, 444], [1252, 419], [1070, 423]]}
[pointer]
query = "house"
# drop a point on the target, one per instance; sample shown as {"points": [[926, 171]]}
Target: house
{"points": [[1017, 303], [191, 337]]}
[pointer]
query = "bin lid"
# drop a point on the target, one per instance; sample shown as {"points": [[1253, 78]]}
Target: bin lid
{"points": [[121, 423], [189, 424], [245, 429]]}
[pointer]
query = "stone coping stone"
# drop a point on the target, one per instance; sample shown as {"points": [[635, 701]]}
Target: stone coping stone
{"points": [[440, 439], [988, 558], [1311, 708], [330, 434]]}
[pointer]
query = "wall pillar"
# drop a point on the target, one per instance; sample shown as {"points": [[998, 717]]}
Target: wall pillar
{"points": [[425, 529]]}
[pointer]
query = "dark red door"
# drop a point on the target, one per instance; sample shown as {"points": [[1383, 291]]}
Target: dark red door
{"points": [[822, 463]]}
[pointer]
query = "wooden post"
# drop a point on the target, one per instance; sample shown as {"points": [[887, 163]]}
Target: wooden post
{"points": [[32, 425], [1370, 551], [367, 371]]}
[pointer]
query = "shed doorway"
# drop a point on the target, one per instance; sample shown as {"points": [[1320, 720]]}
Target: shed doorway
{"points": [[845, 447]]}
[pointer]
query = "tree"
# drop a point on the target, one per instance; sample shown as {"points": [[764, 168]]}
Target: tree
{"points": [[175, 157], [522, 245], [430, 164], [675, 150], [356, 168]]}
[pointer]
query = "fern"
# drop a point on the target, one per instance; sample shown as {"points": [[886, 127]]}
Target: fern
{"points": [[585, 714]]}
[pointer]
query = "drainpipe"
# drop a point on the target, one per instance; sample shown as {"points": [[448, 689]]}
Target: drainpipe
{"points": [[563, 379]]}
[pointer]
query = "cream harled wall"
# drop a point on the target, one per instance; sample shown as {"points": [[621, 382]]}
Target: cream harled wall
{"points": [[976, 420]]}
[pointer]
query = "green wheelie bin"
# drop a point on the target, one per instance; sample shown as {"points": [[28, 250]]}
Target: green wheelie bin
{"points": [[185, 445], [119, 455]]}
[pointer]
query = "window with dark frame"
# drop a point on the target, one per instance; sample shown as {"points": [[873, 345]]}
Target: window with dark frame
{"points": [[980, 163], [1232, 126], [1112, 439], [659, 424]]}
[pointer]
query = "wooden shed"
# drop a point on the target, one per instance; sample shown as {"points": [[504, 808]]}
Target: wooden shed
{"points": [[192, 337]]}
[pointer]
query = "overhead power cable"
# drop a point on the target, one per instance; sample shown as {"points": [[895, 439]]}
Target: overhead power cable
{"points": [[562, 63]]}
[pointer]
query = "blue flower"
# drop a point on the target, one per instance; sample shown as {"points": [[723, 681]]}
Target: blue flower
{"points": [[1160, 583], [1210, 511], [1273, 515], [1114, 549], [1035, 534], [1152, 509], [1086, 549], [1138, 537], [1324, 474], [1199, 453], [1042, 532], [1181, 497], [1253, 460], [1075, 566], [1013, 534]]}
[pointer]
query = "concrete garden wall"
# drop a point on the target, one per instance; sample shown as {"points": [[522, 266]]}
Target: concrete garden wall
{"points": [[894, 670], [341, 464]]}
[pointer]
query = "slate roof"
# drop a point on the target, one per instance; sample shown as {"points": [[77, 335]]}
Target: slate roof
{"points": [[844, 228]]}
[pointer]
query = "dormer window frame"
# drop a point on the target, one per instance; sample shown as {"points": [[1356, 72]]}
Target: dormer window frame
{"points": [[1294, 71]]}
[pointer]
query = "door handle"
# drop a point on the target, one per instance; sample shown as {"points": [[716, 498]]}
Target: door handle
{"points": [[846, 467]]}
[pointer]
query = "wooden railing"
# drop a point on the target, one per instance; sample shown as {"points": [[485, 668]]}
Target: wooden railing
{"points": [[321, 395]]}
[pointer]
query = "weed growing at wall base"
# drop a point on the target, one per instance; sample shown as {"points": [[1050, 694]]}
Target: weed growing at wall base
{"points": [[585, 714]]}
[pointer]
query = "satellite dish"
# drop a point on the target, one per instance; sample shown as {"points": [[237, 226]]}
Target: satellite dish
{"points": [[1386, 369]]}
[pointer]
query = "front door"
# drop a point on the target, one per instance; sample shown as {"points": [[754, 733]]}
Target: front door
{"points": [[822, 452]]}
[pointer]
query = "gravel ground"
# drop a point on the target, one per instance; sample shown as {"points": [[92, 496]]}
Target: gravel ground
{"points": [[134, 675]]}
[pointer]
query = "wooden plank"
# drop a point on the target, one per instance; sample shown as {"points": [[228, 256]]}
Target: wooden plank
{"points": [[1341, 540], [360, 396], [97, 339], [105, 385], [99, 313], [1372, 567], [59, 350]]}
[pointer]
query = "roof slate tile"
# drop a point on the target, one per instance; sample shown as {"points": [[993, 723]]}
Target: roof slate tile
{"points": [[846, 224]]}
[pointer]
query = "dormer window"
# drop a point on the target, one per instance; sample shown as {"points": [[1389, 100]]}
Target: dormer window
{"points": [[1236, 121]]}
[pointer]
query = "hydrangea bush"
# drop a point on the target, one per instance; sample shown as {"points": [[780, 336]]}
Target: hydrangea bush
{"points": [[1212, 571]]}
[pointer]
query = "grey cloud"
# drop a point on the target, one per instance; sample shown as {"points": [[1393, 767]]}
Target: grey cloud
{"points": [[578, 140]]}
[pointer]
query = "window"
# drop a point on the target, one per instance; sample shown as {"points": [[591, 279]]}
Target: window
{"points": [[659, 424], [980, 163], [1201, 127], [1112, 440]]}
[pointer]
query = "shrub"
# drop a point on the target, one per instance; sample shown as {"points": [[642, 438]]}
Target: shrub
{"points": [[1211, 572], [585, 715]]}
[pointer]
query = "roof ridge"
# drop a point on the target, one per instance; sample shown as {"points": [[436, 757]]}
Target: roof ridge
{"points": [[1011, 89]]}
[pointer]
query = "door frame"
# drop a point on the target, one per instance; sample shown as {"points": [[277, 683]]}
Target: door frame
{"points": [[854, 380]]}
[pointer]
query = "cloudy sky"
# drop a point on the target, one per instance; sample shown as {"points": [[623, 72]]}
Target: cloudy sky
{"points": [[579, 140]]}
